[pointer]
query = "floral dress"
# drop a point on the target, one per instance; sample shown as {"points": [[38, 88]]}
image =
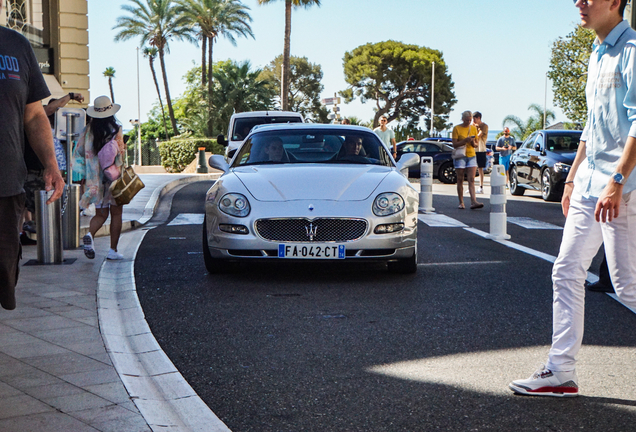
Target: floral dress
{"points": [[86, 166]]}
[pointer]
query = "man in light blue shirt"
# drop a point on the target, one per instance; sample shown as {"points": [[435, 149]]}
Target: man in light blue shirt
{"points": [[597, 199]]}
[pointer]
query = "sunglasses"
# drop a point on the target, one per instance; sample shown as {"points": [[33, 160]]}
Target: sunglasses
{"points": [[584, 2]]}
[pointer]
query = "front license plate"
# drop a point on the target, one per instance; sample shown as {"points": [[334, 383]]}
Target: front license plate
{"points": [[311, 251]]}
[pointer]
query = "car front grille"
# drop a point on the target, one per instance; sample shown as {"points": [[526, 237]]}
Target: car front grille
{"points": [[316, 230]]}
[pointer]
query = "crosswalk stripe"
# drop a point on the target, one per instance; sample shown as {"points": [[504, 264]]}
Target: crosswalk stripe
{"points": [[187, 219], [530, 223], [440, 221]]}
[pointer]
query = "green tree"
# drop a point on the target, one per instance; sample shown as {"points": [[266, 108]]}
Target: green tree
{"points": [[237, 88], [240, 89], [397, 77], [522, 130], [568, 72], [110, 74], [287, 43], [156, 22], [214, 18], [151, 54], [304, 86]]}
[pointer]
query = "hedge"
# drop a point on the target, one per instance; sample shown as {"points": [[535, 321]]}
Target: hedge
{"points": [[177, 154]]}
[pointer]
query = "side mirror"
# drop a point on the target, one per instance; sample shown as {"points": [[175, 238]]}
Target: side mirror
{"points": [[221, 140], [407, 161], [218, 162]]}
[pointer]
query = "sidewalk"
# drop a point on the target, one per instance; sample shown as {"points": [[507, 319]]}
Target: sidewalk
{"points": [[67, 366]]}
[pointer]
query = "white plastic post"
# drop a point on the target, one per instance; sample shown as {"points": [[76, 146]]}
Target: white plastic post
{"points": [[498, 217], [426, 185]]}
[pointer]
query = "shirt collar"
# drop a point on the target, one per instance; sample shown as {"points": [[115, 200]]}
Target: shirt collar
{"points": [[611, 38]]}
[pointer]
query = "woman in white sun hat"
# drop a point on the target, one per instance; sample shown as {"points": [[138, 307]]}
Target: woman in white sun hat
{"points": [[99, 157]]}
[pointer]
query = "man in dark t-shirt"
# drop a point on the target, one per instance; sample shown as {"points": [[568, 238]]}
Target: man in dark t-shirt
{"points": [[22, 88]]}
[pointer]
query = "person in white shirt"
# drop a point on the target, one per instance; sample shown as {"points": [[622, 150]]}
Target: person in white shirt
{"points": [[386, 135], [597, 199]]}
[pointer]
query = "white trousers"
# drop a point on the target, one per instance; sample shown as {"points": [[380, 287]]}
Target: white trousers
{"points": [[582, 238]]}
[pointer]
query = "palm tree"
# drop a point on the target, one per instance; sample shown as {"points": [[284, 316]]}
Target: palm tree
{"points": [[155, 22], [522, 130], [214, 18], [286, 63], [241, 89], [110, 74], [151, 54]]}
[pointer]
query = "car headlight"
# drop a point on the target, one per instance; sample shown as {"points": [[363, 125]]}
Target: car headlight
{"points": [[561, 167], [387, 203], [234, 205]]}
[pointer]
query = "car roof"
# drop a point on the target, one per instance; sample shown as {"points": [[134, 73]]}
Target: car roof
{"points": [[311, 126], [267, 114]]}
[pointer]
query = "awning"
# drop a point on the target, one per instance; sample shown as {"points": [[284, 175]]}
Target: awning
{"points": [[54, 87]]}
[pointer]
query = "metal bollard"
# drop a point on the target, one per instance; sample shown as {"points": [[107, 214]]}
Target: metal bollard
{"points": [[71, 218], [426, 185], [49, 228], [498, 217], [202, 166]]}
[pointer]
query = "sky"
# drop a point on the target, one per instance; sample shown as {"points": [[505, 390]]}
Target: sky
{"points": [[497, 51]]}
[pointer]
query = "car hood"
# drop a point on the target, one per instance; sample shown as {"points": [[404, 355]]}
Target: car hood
{"points": [[311, 182]]}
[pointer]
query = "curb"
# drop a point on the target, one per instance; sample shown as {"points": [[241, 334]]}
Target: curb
{"points": [[161, 394]]}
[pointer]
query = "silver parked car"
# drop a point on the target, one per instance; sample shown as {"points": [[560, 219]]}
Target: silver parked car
{"points": [[307, 191]]}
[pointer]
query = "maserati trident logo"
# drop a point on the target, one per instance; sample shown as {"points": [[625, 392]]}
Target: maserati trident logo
{"points": [[311, 231]]}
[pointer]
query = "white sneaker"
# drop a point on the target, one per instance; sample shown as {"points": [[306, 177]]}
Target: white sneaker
{"points": [[479, 190], [545, 382], [114, 255], [89, 249]]}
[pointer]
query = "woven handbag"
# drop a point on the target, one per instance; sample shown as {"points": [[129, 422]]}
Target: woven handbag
{"points": [[126, 186]]}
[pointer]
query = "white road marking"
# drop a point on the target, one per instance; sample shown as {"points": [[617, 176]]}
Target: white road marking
{"points": [[187, 219], [460, 263], [440, 221], [529, 223]]}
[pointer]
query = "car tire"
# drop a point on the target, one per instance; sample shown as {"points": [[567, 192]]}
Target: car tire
{"points": [[446, 173], [547, 189], [515, 189], [404, 265], [212, 265]]}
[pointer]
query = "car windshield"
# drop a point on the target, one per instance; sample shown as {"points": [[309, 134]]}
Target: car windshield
{"points": [[243, 126], [312, 146], [563, 143]]}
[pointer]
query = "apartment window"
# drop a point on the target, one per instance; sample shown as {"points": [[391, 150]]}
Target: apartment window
{"points": [[30, 18]]}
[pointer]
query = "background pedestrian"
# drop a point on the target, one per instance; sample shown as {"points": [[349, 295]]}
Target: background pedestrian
{"points": [[506, 144], [480, 151], [464, 136], [100, 147]]}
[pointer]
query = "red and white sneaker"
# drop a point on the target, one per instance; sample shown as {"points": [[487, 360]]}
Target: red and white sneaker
{"points": [[545, 382]]}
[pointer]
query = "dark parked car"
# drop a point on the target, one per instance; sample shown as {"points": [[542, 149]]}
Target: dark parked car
{"points": [[440, 151], [543, 162]]}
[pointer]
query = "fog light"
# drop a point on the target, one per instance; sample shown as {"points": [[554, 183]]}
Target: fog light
{"points": [[234, 229], [388, 228]]}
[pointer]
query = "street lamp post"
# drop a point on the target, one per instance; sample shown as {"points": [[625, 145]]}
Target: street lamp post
{"points": [[138, 110], [432, 100]]}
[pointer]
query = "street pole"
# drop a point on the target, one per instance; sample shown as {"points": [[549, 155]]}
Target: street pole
{"points": [[545, 100], [138, 110], [432, 100], [630, 14]]}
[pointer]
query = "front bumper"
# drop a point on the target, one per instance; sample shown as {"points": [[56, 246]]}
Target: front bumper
{"points": [[370, 246]]}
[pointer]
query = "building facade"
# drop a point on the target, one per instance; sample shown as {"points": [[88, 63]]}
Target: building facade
{"points": [[58, 32]]}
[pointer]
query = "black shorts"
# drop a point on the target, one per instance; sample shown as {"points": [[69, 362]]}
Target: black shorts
{"points": [[481, 159]]}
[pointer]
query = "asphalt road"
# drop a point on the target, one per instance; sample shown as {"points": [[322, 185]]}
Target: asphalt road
{"points": [[332, 347]]}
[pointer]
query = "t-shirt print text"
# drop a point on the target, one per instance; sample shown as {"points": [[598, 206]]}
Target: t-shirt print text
{"points": [[609, 80], [9, 68]]}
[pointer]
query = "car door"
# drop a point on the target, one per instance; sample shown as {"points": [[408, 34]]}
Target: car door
{"points": [[535, 160], [521, 157]]}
